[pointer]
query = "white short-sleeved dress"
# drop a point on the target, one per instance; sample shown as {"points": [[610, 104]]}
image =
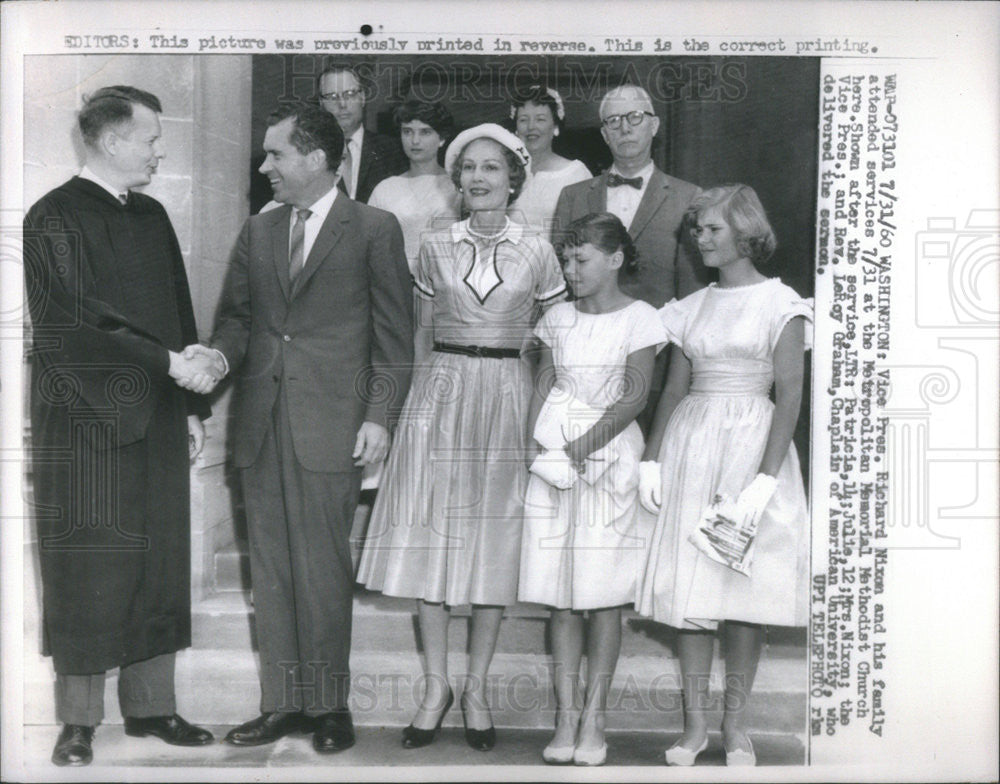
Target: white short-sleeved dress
{"points": [[582, 547], [421, 205], [446, 525], [714, 443], [536, 204]]}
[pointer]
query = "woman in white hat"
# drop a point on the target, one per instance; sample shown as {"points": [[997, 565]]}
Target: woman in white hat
{"points": [[446, 526], [538, 113]]}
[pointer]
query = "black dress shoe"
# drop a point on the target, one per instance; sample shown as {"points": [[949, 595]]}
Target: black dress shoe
{"points": [[334, 732], [73, 747], [415, 738], [480, 740], [267, 728], [172, 729]]}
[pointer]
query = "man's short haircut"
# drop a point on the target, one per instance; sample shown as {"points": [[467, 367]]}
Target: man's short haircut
{"points": [[313, 129], [341, 67], [627, 91], [112, 106]]}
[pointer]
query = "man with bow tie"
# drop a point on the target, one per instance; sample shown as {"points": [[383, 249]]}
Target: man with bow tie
{"points": [[647, 201]]}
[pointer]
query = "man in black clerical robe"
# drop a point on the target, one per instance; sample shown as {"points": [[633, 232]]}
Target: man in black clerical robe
{"points": [[112, 433]]}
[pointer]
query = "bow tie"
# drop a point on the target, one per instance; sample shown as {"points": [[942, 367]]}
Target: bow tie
{"points": [[614, 180]]}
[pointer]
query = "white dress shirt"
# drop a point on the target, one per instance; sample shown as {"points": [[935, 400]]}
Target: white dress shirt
{"points": [[86, 173], [624, 200], [319, 209]]}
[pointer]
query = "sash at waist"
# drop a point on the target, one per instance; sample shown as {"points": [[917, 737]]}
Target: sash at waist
{"points": [[731, 377]]}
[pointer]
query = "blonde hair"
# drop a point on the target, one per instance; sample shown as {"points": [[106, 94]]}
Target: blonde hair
{"points": [[740, 207]]}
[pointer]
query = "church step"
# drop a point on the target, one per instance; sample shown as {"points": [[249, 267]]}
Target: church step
{"points": [[221, 687], [232, 568], [232, 562], [115, 753], [384, 623]]}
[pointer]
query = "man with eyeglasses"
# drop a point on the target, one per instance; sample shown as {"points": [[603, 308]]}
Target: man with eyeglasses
{"points": [[368, 158], [648, 202]]}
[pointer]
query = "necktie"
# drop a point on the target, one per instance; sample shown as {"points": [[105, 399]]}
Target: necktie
{"points": [[615, 180], [347, 167], [295, 249], [123, 198]]}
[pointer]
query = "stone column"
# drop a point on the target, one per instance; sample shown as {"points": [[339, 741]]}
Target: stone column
{"points": [[221, 201]]}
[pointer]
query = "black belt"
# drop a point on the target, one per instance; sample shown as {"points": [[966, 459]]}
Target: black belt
{"points": [[478, 351]]}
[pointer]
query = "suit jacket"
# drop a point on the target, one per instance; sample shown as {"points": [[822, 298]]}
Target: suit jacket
{"points": [[667, 264], [381, 157], [338, 340]]}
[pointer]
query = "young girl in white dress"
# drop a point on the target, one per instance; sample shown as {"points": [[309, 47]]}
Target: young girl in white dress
{"points": [[717, 432], [581, 549]]}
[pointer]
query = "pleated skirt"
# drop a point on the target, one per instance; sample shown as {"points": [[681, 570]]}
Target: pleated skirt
{"points": [[714, 444], [582, 547], [446, 525]]}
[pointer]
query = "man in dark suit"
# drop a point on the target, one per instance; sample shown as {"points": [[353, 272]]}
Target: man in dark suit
{"points": [[368, 158], [650, 203], [316, 315]]}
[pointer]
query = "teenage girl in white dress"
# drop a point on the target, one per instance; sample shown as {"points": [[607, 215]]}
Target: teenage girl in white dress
{"points": [[717, 431]]}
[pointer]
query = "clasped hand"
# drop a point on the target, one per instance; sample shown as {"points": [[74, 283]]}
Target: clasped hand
{"points": [[199, 368]]}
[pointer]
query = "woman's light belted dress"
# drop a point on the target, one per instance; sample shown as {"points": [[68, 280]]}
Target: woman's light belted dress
{"points": [[714, 443]]}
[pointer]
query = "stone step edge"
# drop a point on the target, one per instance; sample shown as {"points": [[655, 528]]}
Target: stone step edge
{"points": [[369, 605], [386, 689], [714, 735], [774, 675]]}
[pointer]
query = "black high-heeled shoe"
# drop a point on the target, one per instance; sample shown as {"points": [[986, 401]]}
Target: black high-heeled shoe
{"points": [[480, 740], [415, 738]]}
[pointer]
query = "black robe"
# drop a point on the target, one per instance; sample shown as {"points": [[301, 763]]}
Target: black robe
{"points": [[108, 296]]}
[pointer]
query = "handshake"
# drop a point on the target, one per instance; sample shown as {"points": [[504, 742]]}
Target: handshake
{"points": [[198, 368]]}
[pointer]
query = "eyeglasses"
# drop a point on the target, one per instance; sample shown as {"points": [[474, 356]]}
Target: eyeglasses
{"points": [[614, 121], [347, 95]]}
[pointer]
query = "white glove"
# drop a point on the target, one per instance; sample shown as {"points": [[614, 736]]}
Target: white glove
{"points": [[650, 485], [754, 498], [721, 537], [555, 467]]}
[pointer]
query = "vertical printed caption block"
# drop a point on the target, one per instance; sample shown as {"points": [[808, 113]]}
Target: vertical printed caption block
{"points": [[856, 240]]}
